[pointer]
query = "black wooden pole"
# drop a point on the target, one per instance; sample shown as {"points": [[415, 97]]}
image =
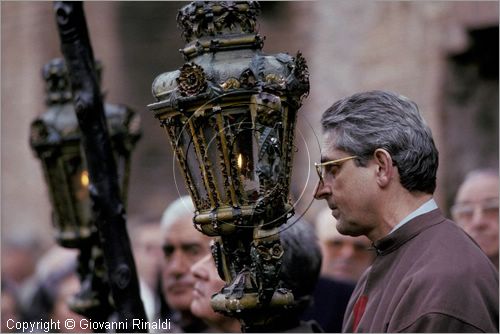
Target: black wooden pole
{"points": [[104, 186]]}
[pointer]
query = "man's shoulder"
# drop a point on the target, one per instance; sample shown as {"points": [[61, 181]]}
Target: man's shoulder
{"points": [[443, 272], [445, 256], [450, 249]]}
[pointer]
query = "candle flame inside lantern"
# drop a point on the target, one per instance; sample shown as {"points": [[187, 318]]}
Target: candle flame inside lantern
{"points": [[240, 161], [84, 178]]}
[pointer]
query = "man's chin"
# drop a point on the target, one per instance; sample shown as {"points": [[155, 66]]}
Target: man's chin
{"points": [[347, 229], [179, 303], [343, 228]]}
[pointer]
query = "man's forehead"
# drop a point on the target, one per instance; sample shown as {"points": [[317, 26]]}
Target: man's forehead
{"points": [[183, 231], [196, 237], [479, 188], [185, 243], [182, 224], [328, 147]]}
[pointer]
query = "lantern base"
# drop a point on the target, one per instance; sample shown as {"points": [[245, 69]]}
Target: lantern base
{"points": [[250, 302], [243, 301]]}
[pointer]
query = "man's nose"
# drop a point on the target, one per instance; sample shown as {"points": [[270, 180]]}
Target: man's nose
{"points": [[321, 191], [477, 217], [199, 268], [178, 263], [347, 251]]}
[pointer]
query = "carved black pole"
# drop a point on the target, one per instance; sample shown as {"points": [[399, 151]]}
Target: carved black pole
{"points": [[104, 188]]}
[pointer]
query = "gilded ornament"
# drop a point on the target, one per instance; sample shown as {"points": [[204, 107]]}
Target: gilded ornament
{"points": [[274, 79], [231, 83], [191, 80]]}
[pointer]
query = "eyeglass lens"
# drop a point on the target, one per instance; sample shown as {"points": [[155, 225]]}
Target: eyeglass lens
{"points": [[465, 212]]}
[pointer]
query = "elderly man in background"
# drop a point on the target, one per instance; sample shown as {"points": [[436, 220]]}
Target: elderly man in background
{"points": [[345, 258], [378, 175], [476, 209], [183, 246]]}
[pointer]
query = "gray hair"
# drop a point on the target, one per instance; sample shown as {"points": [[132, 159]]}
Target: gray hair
{"points": [[301, 259], [181, 207], [481, 172], [369, 120]]}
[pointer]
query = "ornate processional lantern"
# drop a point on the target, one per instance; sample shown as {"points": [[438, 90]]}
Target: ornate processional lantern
{"points": [[230, 114], [56, 139]]}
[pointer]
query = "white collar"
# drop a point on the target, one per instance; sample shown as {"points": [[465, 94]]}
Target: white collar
{"points": [[424, 208]]}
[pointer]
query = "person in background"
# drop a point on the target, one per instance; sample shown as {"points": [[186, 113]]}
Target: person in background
{"points": [[378, 176], [147, 247], [57, 283], [10, 308], [330, 296], [476, 209], [345, 258], [61, 287], [207, 283], [183, 245], [19, 255]]}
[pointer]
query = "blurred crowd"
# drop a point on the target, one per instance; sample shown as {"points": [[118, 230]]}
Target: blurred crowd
{"points": [[37, 288], [178, 275]]}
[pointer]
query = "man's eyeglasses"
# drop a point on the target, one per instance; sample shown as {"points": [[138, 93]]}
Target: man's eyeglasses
{"points": [[464, 212], [320, 166]]}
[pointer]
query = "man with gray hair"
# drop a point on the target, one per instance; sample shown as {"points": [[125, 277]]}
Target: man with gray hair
{"points": [[183, 246], [378, 175]]}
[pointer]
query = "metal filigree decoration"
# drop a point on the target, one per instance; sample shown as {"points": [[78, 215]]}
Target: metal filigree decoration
{"points": [[300, 70], [39, 131], [267, 254], [230, 83], [300, 81], [191, 80], [202, 18], [231, 122], [248, 79], [58, 89], [219, 25]]}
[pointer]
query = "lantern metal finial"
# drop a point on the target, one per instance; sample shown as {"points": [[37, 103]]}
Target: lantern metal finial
{"points": [[202, 22], [230, 113]]}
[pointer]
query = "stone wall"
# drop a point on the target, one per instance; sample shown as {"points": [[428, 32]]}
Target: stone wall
{"points": [[350, 46]]}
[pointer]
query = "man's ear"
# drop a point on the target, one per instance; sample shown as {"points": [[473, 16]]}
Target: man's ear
{"points": [[385, 167]]}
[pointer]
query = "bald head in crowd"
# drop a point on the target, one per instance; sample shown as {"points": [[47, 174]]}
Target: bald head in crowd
{"points": [[344, 257]]}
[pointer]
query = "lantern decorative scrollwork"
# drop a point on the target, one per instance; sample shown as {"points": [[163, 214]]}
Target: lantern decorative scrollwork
{"points": [[230, 113]]}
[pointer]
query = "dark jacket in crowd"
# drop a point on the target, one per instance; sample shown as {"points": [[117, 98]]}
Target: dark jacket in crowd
{"points": [[329, 304]]}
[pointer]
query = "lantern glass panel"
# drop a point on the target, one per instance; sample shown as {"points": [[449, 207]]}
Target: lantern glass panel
{"points": [[193, 166], [241, 141], [77, 173], [68, 180], [213, 154]]}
